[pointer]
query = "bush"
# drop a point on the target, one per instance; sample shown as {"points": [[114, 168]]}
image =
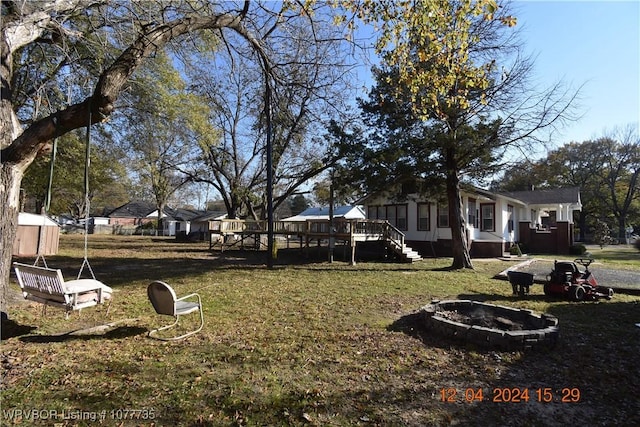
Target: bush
{"points": [[602, 234], [578, 249], [517, 249]]}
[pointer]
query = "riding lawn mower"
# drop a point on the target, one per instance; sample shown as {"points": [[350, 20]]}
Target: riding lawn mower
{"points": [[567, 281]]}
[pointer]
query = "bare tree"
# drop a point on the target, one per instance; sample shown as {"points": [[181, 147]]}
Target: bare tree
{"points": [[163, 124], [316, 86], [621, 173]]}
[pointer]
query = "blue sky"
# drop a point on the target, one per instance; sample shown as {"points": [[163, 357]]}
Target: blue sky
{"points": [[590, 43]]}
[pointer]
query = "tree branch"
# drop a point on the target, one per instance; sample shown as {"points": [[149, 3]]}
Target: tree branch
{"points": [[102, 103]]}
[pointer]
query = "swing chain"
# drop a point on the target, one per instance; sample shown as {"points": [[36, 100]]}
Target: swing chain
{"points": [[87, 203]]}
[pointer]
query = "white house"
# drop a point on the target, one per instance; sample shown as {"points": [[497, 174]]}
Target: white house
{"points": [[541, 220], [188, 221]]}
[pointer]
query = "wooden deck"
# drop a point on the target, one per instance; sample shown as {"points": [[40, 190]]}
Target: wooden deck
{"points": [[349, 231]]}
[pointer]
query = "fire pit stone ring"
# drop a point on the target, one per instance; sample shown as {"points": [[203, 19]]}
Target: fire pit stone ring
{"points": [[490, 325]]}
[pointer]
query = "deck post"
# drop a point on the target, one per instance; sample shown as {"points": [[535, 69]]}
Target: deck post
{"points": [[353, 252], [352, 241], [332, 240]]}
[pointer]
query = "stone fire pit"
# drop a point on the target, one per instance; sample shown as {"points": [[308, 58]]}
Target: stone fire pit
{"points": [[490, 325]]}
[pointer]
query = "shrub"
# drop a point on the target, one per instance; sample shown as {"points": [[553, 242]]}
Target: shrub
{"points": [[602, 234], [517, 249], [578, 249]]}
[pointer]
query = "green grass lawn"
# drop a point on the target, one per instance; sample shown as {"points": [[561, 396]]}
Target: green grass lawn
{"points": [[307, 343], [625, 257]]}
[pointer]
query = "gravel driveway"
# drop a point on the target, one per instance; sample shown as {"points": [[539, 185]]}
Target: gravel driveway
{"points": [[625, 281]]}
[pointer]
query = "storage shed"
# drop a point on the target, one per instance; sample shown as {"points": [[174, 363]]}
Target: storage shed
{"points": [[31, 228]]}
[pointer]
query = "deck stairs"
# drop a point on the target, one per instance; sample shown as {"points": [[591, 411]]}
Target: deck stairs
{"points": [[405, 253]]}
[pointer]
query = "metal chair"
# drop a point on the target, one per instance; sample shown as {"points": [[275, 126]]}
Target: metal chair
{"points": [[165, 302]]}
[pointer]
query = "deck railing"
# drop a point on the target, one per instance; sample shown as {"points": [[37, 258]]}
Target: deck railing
{"points": [[316, 227], [348, 230], [394, 235]]}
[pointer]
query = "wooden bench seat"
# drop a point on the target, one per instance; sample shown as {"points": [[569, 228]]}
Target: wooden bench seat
{"points": [[48, 287]]}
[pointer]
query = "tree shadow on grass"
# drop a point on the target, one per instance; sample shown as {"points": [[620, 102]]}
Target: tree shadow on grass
{"points": [[481, 297], [596, 354], [11, 329], [412, 324], [116, 333]]}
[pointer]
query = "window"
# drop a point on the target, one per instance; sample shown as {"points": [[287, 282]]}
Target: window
{"points": [[424, 222], [487, 217], [401, 217], [473, 213], [395, 214], [391, 215], [443, 215]]}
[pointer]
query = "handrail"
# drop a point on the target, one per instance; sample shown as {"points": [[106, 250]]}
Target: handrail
{"points": [[228, 226], [394, 235]]}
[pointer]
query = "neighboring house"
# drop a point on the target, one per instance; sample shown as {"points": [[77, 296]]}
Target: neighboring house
{"points": [[541, 220], [176, 222], [173, 220], [188, 221], [134, 213], [99, 220], [346, 212]]}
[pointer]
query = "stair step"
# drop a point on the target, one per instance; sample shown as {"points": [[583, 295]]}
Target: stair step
{"points": [[406, 252]]}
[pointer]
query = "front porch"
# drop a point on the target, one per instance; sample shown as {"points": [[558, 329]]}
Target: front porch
{"points": [[556, 239]]}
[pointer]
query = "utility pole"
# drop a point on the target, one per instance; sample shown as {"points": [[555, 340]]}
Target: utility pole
{"points": [[332, 239], [270, 242]]}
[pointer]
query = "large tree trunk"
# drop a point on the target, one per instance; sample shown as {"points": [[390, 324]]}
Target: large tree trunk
{"points": [[457, 222], [582, 223], [10, 180], [622, 230]]}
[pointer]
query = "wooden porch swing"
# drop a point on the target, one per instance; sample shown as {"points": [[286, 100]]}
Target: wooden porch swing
{"points": [[47, 285]]}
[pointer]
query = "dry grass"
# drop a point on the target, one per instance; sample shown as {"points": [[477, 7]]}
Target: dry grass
{"points": [[305, 344]]}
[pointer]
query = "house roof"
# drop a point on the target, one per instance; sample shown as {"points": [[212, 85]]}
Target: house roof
{"points": [[569, 195], [389, 194], [25, 218], [181, 214], [210, 215], [194, 215], [133, 209], [547, 196], [347, 212], [139, 209]]}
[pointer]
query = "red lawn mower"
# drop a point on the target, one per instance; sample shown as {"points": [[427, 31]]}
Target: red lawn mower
{"points": [[567, 281]]}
